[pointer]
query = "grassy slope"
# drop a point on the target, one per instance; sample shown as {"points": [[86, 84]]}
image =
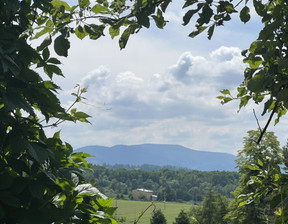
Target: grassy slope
{"points": [[131, 210]]}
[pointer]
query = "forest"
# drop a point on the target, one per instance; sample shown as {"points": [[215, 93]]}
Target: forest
{"points": [[170, 185]]}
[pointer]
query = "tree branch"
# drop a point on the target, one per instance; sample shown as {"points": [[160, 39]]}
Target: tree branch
{"points": [[267, 124]]}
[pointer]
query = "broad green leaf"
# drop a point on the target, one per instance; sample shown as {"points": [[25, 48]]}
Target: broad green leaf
{"points": [[61, 46], [9, 65], [113, 31], [143, 20], [267, 106], [241, 91], [198, 31], [226, 100], [52, 69], [99, 9], [253, 167], [45, 43], [259, 7], [46, 54], [189, 2], [257, 84], [244, 101], [165, 4], [80, 32], [225, 92], [58, 4], [206, 15], [159, 19], [187, 17], [46, 29], [95, 31], [83, 3], [124, 37], [254, 62], [81, 116], [245, 14], [54, 61], [39, 152], [229, 7]]}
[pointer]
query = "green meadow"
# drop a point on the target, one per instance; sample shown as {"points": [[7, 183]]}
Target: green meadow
{"points": [[129, 211]]}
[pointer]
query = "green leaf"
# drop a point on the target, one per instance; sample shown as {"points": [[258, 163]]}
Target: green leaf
{"points": [[244, 100], [211, 31], [80, 32], [124, 37], [81, 116], [165, 4], [46, 54], [114, 31], [254, 62], [95, 31], [52, 69], [189, 2], [253, 167], [58, 4], [83, 3], [198, 31], [225, 92], [259, 7], [46, 42], [99, 9], [226, 100], [39, 153], [206, 15], [61, 46], [46, 29], [143, 19], [54, 61], [159, 19], [187, 17], [245, 14]]}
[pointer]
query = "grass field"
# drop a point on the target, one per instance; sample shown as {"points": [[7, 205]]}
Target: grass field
{"points": [[130, 210]]}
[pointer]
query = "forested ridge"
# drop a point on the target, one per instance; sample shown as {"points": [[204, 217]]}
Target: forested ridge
{"points": [[167, 184]]}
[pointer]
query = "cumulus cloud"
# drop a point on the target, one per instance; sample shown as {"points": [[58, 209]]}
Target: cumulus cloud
{"points": [[176, 106]]}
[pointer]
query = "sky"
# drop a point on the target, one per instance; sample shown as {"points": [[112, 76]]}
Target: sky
{"points": [[162, 88]]}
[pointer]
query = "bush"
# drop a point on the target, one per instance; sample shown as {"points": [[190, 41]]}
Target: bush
{"points": [[158, 218]]}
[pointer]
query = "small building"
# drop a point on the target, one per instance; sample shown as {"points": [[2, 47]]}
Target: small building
{"points": [[140, 194]]}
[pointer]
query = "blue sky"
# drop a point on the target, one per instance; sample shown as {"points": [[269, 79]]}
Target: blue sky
{"points": [[162, 88]]}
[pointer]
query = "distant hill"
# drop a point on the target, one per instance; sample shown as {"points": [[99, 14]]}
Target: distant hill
{"points": [[160, 155]]}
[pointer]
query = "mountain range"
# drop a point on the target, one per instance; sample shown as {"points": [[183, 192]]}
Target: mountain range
{"points": [[160, 155]]}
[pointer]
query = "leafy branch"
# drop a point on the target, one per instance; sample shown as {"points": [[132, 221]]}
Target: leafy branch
{"points": [[74, 115]]}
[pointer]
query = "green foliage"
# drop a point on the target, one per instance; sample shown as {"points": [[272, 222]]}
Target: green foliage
{"points": [[265, 78], [168, 185], [182, 218], [258, 194], [158, 217], [212, 210]]}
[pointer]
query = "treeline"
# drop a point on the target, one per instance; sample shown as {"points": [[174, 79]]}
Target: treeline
{"points": [[170, 185]]}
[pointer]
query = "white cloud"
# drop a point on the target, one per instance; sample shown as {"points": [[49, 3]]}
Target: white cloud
{"points": [[177, 106], [153, 92]]}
